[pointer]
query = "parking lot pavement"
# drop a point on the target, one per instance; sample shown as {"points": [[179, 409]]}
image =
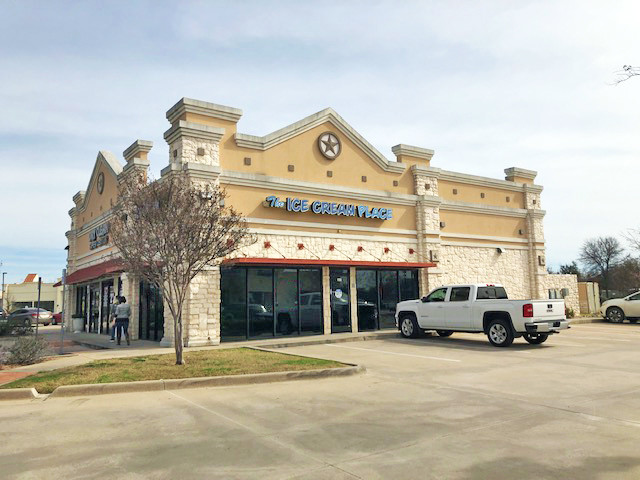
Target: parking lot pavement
{"points": [[426, 408]]}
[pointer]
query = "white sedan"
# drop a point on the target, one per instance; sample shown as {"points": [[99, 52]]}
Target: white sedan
{"points": [[617, 309]]}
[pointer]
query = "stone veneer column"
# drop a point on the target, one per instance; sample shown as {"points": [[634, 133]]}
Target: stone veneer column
{"points": [[535, 237], [201, 318], [353, 297], [194, 148], [131, 291], [427, 225], [326, 300]]}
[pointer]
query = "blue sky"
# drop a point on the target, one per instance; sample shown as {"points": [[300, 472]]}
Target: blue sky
{"points": [[487, 85]]}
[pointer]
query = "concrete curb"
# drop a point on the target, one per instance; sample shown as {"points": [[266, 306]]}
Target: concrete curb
{"points": [[577, 321], [324, 341], [19, 394], [180, 383]]}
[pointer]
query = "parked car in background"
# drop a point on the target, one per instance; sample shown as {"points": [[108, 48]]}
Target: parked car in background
{"points": [[56, 318], [617, 309], [29, 316], [1, 313]]}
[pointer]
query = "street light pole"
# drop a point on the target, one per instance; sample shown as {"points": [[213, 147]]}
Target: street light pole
{"points": [[3, 274]]}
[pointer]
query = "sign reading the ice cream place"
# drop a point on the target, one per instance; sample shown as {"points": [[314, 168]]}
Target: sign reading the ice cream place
{"points": [[328, 208]]}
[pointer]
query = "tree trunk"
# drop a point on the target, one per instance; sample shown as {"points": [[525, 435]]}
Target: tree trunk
{"points": [[178, 341]]}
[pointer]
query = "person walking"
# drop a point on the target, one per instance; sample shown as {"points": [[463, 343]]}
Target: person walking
{"points": [[112, 324], [123, 312]]}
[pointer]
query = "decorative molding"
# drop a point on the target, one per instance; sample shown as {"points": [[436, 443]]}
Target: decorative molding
{"points": [[312, 121], [190, 105], [94, 222], [485, 237], [520, 172], [200, 170], [343, 236], [330, 226], [411, 151], [320, 189], [482, 245], [136, 148], [426, 171], [194, 130], [449, 205]]}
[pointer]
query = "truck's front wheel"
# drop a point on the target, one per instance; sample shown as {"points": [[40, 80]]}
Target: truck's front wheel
{"points": [[409, 326], [500, 333], [536, 338]]}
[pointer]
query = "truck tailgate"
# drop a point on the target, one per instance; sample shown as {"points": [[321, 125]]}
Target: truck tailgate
{"points": [[547, 309]]}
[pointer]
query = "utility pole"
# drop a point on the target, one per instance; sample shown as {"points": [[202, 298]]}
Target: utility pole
{"points": [[38, 310]]}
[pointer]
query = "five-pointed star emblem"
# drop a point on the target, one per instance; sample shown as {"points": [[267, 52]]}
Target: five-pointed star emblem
{"points": [[329, 145]]}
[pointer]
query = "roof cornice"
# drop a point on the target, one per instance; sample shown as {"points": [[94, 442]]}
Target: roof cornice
{"points": [[190, 105]]}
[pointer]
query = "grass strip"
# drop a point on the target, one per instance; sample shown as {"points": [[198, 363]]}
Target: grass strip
{"points": [[206, 363]]}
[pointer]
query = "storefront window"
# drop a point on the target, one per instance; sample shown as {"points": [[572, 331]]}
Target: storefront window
{"points": [[151, 313], [233, 290], [379, 291], [310, 300], [408, 281], [260, 294], [263, 302]]}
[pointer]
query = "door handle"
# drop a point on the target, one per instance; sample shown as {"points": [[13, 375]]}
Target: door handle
{"points": [[465, 306]]}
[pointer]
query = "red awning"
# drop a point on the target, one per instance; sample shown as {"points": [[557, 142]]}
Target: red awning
{"points": [[328, 263], [94, 271]]}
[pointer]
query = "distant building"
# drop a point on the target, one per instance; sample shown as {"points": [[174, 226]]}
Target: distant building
{"points": [[25, 294]]}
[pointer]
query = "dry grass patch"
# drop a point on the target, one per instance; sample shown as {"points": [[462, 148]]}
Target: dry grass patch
{"points": [[207, 363]]}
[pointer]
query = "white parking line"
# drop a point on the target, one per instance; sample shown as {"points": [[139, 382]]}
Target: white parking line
{"points": [[597, 339], [395, 353]]}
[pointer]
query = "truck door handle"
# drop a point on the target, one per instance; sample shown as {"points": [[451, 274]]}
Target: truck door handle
{"points": [[465, 306]]}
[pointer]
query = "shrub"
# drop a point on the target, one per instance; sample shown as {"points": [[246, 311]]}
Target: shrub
{"points": [[27, 350], [569, 312]]}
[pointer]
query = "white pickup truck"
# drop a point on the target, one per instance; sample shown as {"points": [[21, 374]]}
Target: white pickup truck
{"points": [[481, 308]]}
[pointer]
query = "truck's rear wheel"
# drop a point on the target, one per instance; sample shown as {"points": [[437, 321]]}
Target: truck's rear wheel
{"points": [[536, 338], [409, 327], [444, 333], [500, 333]]}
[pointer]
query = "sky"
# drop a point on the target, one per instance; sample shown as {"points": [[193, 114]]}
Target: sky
{"points": [[487, 85]]}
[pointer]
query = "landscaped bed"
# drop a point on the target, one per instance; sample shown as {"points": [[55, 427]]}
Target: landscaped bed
{"points": [[207, 363]]}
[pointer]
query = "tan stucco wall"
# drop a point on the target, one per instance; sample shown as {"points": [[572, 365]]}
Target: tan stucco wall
{"points": [[471, 194], [478, 224], [96, 204], [28, 292]]}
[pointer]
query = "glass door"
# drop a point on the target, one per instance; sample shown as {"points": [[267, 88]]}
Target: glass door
{"points": [[367, 288], [94, 308], [388, 298], [286, 283], [340, 304], [107, 302]]}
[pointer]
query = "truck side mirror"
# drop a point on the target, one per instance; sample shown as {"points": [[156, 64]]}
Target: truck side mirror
{"points": [[424, 299]]}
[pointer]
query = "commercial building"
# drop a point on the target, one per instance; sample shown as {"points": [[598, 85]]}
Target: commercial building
{"points": [[25, 294], [343, 233]]}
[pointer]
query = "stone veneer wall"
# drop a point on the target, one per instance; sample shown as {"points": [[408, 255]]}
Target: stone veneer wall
{"points": [[462, 264], [559, 281]]}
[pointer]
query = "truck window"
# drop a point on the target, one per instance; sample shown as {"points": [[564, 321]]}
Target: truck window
{"points": [[437, 295], [459, 294], [491, 293]]}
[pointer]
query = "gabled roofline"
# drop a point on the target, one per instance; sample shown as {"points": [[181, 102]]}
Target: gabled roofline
{"points": [[113, 165], [307, 123]]}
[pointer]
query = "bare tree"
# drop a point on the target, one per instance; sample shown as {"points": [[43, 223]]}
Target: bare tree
{"points": [[633, 237], [167, 231], [626, 73], [600, 255]]}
